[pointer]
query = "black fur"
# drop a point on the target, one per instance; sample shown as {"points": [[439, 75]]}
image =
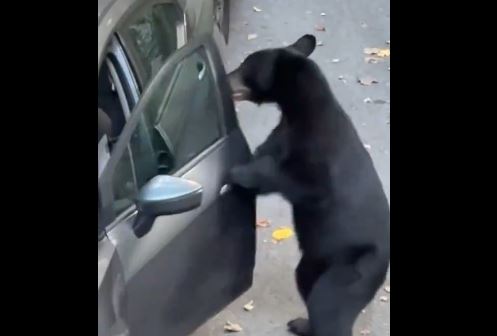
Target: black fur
{"points": [[315, 159]]}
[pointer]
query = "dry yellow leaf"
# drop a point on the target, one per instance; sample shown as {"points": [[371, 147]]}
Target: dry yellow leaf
{"points": [[282, 233], [232, 327], [383, 53], [377, 51]]}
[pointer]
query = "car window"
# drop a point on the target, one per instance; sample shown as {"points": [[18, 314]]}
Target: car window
{"points": [[152, 35], [179, 119], [109, 101]]}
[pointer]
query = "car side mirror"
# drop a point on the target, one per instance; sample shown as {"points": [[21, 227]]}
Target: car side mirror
{"points": [[165, 195]]}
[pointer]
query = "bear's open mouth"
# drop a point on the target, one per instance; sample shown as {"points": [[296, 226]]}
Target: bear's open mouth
{"points": [[239, 90], [240, 95]]}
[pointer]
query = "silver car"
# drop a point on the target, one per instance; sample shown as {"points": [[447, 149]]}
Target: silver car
{"points": [[175, 243]]}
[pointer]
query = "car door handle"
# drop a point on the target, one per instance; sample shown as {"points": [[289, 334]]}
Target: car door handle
{"points": [[201, 70], [224, 189]]}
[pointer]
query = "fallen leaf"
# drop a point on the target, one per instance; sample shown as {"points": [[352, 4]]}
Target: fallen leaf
{"points": [[387, 289], [371, 51], [232, 327], [367, 81], [320, 43], [377, 51], [380, 101], [383, 299], [249, 306], [320, 27], [256, 9], [282, 233], [368, 100], [263, 223], [251, 36], [365, 332], [384, 53], [372, 59]]}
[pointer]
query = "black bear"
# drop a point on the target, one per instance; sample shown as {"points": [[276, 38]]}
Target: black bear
{"points": [[316, 160]]}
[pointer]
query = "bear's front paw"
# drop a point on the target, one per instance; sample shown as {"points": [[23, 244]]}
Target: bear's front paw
{"points": [[240, 176]]}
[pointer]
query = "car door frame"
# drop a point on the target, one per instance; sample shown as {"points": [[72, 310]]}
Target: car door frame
{"points": [[229, 123]]}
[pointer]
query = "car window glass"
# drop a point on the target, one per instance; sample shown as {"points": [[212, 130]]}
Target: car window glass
{"points": [[179, 119], [109, 103], [154, 35]]}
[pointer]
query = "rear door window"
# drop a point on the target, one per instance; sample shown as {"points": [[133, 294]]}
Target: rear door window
{"points": [[151, 36]]}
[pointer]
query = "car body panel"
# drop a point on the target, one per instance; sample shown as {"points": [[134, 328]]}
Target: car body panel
{"points": [[111, 291]]}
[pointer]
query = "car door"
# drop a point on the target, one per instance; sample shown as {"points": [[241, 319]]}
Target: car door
{"points": [[169, 277]]}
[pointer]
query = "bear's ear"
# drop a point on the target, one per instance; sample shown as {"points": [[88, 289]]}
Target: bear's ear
{"points": [[304, 45]]}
